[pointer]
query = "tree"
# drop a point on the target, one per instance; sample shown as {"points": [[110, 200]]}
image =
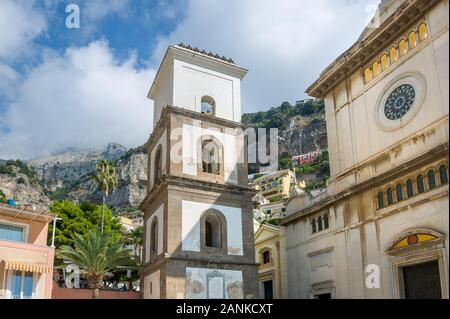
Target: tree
{"points": [[2, 197], [136, 239], [81, 219], [106, 179], [96, 254]]}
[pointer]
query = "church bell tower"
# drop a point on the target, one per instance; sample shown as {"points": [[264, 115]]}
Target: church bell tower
{"points": [[198, 210]]}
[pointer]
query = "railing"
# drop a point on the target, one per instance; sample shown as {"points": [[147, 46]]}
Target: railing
{"points": [[21, 297]]}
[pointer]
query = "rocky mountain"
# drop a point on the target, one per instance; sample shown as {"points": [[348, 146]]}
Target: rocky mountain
{"points": [[68, 175], [19, 181], [301, 127]]}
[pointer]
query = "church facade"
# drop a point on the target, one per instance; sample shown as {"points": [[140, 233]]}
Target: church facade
{"points": [[381, 228], [198, 240]]}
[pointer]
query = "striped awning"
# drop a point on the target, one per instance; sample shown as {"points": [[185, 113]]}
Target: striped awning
{"points": [[23, 266]]}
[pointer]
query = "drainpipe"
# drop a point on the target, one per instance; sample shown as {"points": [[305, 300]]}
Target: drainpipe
{"points": [[54, 230]]}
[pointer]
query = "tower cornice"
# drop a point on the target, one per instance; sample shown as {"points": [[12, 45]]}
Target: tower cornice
{"points": [[170, 109], [188, 184]]}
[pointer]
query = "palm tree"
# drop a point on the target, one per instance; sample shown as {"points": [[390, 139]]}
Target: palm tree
{"points": [[96, 254], [106, 179], [136, 238]]}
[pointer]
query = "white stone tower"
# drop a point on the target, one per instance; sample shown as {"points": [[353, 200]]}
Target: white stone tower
{"points": [[198, 210]]}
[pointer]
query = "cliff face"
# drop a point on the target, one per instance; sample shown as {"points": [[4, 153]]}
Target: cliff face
{"points": [[68, 175], [25, 190], [304, 135], [301, 128], [71, 165]]}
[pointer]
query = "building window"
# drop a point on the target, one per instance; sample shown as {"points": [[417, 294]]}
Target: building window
{"points": [[213, 231], [376, 69], [393, 55], [158, 165], [420, 186], [266, 257], [154, 236], [412, 40], [210, 157], [423, 32], [443, 174], [208, 105], [384, 62], [12, 233], [399, 192], [22, 285], [402, 47], [409, 188], [380, 200], [326, 222], [319, 223], [390, 198], [368, 75], [431, 179]]}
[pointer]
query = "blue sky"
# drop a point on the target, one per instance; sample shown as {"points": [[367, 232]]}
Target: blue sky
{"points": [[86, 87]]}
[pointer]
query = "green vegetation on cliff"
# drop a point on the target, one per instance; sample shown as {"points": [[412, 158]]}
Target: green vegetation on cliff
{"points": [[279, 117]]}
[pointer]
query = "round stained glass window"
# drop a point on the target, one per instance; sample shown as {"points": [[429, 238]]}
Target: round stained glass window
{"points": [[399, 102]]}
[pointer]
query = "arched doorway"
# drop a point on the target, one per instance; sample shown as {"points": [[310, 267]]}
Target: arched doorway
{"points": [[418, 265]]}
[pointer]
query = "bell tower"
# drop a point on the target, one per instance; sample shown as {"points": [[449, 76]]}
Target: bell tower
{"points": [[198, 240]]}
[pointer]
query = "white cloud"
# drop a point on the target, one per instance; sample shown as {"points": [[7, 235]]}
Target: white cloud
{"points": [[83, 98], [20, 23], [96, 10], [285, 44]]}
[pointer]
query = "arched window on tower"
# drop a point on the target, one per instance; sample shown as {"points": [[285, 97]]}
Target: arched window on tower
{"points": [[368, 75], [399, 191], [390, 198], [420, 186], [393, 55], [158, 165], [412, 39], [208, 105], [384, 62], [409, 188], [403, 47], [154, 237], [210, 157], [376, 68], [380, 200], [423, 32], [213, 231], [431, 179], [443, 174]]}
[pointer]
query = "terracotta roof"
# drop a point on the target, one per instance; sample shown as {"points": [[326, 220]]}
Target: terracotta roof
{"points": [[210, 54]]}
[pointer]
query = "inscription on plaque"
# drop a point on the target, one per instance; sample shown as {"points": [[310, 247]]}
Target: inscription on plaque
{"points": [[216, 287]]}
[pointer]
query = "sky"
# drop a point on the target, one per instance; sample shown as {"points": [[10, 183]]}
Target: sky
{"points": [[84, 87]]}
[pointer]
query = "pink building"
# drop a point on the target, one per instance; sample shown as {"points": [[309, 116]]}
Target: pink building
{"points": [[306, 158], [26, 262]]}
